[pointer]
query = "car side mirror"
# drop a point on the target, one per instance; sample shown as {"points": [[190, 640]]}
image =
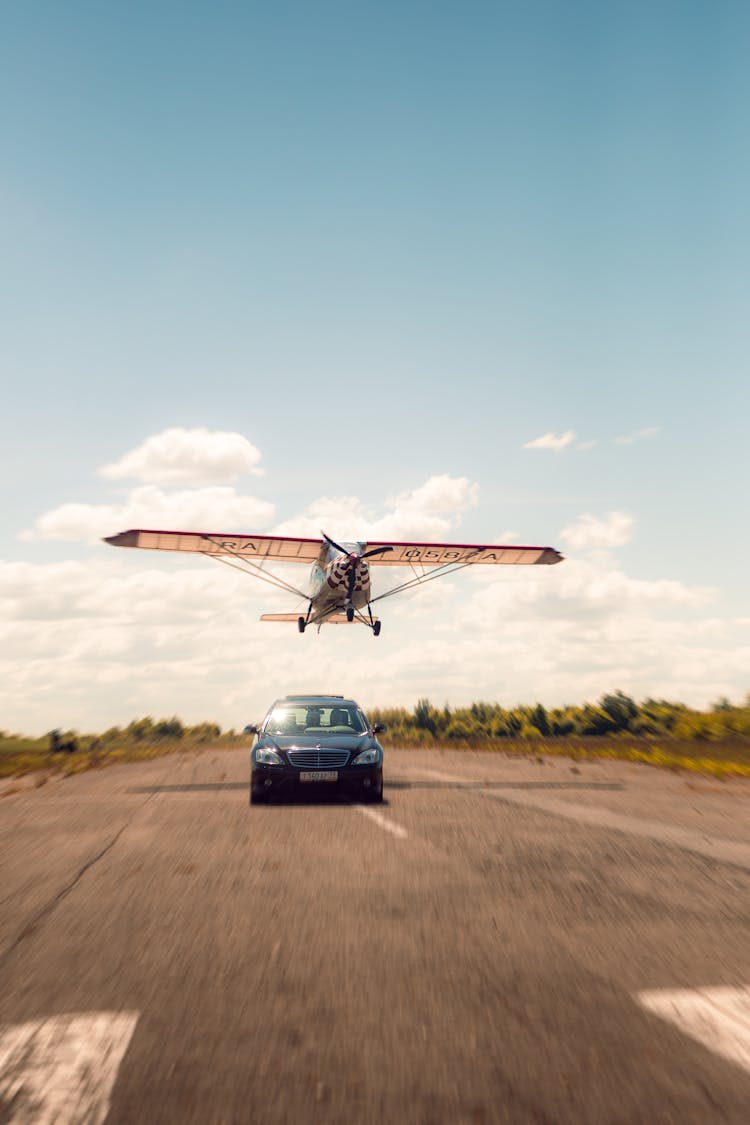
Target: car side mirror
{"points": [[379, 728], [250, 729]]}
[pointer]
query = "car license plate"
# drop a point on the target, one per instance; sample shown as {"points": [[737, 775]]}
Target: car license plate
{"points": [[319, 775]]}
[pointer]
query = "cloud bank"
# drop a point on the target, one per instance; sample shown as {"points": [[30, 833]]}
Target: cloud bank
{"points": [[120, 634], [199, 509], [430, 511], [91, 643]]}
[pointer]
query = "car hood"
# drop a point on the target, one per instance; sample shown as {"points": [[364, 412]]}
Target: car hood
{"points": [[303, 742]]}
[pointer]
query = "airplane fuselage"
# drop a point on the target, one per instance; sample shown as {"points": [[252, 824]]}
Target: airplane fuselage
{"points": [[330, 580]]}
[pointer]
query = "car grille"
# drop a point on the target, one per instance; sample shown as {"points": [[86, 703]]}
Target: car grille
{"points": [[318, 759]]}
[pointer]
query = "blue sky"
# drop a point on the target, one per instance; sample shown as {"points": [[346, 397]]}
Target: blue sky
{"points": [[385, 243]]}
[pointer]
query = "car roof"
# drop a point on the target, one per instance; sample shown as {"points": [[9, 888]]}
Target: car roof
{"points": [[316, 701]]}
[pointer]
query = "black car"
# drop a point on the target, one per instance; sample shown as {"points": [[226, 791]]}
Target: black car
{"points": [[316, 742]]}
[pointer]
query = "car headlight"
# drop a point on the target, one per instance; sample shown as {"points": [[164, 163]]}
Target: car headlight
{"points": [[267, 757], [367, 758]]}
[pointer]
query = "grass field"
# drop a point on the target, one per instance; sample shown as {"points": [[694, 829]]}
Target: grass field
{"points": [[20, 756], [727, 758]]}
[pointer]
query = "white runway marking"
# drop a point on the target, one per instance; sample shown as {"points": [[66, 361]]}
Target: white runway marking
{"points": [[60, 1071], [719, 1018], [383, 822]]}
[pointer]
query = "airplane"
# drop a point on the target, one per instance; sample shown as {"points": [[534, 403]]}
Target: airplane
{"points": [[339, 590]]}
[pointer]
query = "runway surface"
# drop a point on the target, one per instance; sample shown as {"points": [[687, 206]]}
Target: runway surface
{"points": [[502, 940]]}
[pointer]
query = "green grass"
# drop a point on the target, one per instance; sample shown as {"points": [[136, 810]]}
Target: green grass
{"points": [[20, 756], [726, 758]]}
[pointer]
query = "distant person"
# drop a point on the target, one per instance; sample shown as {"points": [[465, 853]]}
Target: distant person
{"points": [[60, 745]]}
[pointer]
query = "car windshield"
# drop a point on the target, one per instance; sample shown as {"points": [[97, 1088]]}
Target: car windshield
{"points": [[301, 719]]}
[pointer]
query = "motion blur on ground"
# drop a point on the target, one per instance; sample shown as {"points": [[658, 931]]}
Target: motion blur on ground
{"points": [[517, 938]]}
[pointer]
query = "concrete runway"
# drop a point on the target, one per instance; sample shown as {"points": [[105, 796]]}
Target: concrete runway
{"points": [[503, 940]]}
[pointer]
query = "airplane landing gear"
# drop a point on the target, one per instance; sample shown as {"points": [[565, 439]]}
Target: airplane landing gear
{"points": [[303, 622], [374, 625], [350, 613]]}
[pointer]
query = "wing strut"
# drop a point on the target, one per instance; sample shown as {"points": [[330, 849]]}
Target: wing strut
{"points": [[263, 575], [421, 579]]}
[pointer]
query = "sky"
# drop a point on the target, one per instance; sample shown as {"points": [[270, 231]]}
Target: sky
{"points": [[449, 270]]}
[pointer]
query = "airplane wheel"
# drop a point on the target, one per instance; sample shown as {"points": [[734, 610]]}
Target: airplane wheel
{"points": [[376, 629], [301, 624], [349, 613]]}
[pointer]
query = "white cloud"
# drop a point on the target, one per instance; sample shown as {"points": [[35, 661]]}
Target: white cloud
{"points": [[111, 587], [430, 512], [87, 644], [551, 441], [584, 590], [220, 508], [438, 494], [343, 517], [592, 534], [571, 632], [179, 456], [123, 634], [637, 435]]}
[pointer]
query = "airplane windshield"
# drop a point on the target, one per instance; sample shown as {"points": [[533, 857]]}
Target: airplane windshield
{"points": [[300, 720]]}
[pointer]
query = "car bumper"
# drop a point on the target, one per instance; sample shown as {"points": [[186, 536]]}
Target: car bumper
{"points": [[355, 781]]}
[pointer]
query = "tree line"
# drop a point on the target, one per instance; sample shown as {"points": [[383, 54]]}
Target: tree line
{"points": [[614, 714]]}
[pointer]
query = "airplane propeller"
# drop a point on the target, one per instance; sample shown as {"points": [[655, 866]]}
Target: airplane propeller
{"points": [[352, 554], [352, 558]]}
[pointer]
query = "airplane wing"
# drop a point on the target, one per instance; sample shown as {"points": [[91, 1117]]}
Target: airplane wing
{"points": [[290, 549], [460, 554], [254, 547]]}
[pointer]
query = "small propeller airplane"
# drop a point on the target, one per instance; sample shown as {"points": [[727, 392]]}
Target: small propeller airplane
{"points": [[339, 586]]}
